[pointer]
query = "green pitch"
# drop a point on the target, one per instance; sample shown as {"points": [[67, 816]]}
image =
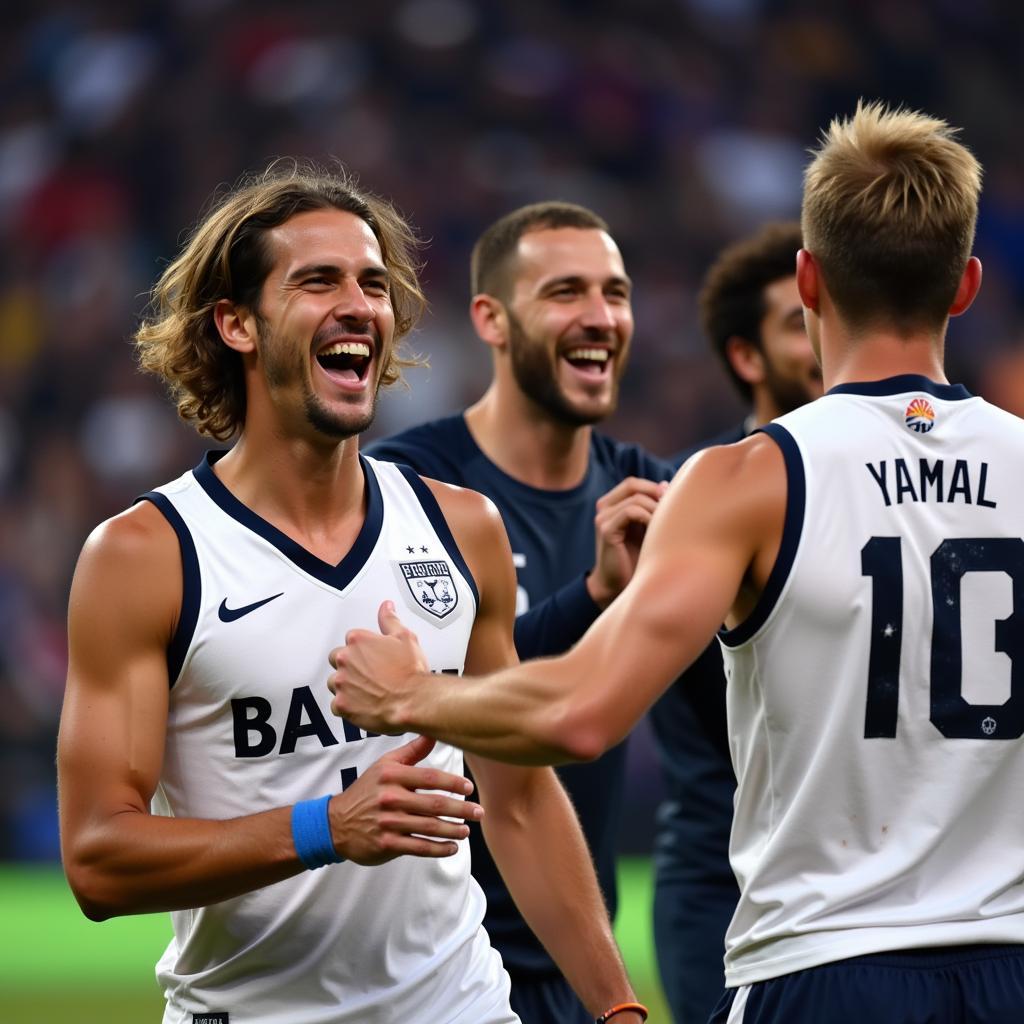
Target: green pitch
{"points": [[56, 967]]}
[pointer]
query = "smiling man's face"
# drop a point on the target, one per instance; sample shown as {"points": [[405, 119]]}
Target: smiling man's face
{"points": [[326, 326], [570, 322]]}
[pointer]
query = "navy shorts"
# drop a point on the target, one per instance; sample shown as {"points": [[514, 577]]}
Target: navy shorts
{"points": [[948, 985], [546, 999]]}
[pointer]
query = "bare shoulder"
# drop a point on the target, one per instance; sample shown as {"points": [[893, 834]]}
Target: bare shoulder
{"points": [[472, 516], [753, 461], [140, 536], [733, 495], [479, 532], [131, 565], [747, 478]]}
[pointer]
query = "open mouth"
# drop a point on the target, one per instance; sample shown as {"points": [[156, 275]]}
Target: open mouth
{"points": [[592, 361], [347, 360]]}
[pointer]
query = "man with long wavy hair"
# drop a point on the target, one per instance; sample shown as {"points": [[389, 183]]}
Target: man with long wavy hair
{"points": [[315, 871]]}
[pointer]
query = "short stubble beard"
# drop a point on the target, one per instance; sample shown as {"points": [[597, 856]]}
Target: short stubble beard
{"points": [[331, 425], [535, 373], [787, 393], [319, 417]]}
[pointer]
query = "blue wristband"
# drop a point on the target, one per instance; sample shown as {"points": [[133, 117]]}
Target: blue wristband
{"points": [[311, 833]]}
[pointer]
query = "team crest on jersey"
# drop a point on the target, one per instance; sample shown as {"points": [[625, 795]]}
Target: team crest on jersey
{"points": [[920, 416], [431, 585]]}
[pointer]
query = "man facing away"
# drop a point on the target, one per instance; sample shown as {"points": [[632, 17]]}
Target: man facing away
{"points": [[551, 298], [865, 552], [314, 872], [752, 317]]}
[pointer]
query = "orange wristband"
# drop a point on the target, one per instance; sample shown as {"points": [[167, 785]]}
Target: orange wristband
{"points": [[618, 1008]]}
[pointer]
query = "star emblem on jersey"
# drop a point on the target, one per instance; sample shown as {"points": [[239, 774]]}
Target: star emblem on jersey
{"points": [[920, 416], [431, 585]]}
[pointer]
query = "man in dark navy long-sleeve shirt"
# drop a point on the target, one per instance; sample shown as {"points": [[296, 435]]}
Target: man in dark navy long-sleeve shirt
{"points": [[551, 298]]}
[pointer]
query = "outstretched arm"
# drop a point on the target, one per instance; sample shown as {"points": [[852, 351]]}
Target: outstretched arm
{"points": [[120, 858], [708, 552]]}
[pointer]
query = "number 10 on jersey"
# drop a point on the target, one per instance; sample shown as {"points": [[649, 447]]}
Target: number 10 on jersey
{"points": [[950, 712]]}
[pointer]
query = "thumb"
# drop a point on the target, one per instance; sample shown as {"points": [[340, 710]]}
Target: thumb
{"points": [[387, 619], [413, 751]]}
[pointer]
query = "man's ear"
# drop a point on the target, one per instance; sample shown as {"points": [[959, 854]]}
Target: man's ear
{"points": [[490, 320], [808, 280], [236, 325], [746, 360], [970, 282]]}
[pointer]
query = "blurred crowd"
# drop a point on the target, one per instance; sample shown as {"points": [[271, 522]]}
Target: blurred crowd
{"points": [[683, 122]]}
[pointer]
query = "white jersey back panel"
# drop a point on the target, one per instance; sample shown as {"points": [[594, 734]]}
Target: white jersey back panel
{"points": [[876, 694], [250, 728]]}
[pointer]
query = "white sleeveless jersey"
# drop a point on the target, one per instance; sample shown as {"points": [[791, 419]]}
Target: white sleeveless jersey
{"points": [[250, 728], [876, 693]]}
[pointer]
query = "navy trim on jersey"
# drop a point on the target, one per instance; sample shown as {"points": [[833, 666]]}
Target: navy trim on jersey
{"points": [[191, 585], [433, 511], [905, 382], [338, 576], [796, 500]]}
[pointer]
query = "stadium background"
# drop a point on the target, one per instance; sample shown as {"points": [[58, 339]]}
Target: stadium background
{"points": [[684, 122]]}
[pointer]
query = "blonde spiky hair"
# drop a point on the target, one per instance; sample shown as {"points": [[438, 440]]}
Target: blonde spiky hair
{"points": [[890, 204]]}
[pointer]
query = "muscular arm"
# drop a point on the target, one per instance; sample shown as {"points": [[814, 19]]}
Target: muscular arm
{"points": [[119, 858], [530, 826], [707, 555]]}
